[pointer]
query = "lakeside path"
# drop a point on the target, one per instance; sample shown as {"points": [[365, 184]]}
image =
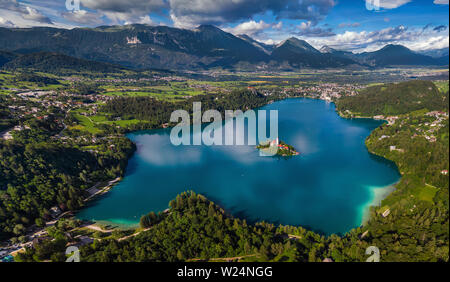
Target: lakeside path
{"points": [[94, 191], [133, 235], [229, 259]]}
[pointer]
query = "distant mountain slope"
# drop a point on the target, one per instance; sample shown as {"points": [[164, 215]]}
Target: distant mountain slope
{"points": [[6, 57], [161, 47], [394, 99], [265, 47], [345, 54], [54, 62], [299, 53], [391, 55], [139, 46], [436, 53]]}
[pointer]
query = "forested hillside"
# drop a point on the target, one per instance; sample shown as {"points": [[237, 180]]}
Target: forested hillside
{"points": [[157, 112], [6, 120], [56, 63], [417, 140], [34, 176], [195, 228], [395, 99]]}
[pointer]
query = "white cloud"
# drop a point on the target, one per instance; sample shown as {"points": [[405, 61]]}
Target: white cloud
{"points": [[308, 29], [278, 26], [26, 12], [34, 15], [141, 20], [83, 17], [441, 2], [189, 13], [250, 28], [270, 42], [6, 23], [386, 4], [121, 11], [415, 39]]}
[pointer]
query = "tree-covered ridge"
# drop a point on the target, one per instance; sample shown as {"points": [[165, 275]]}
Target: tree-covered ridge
{"points": [[6, 57], [420, 153], [37, 173], [416, 227], [194, 228], [6, 120], [394, 99], [415, 224], [157, 112], [51, 62]]}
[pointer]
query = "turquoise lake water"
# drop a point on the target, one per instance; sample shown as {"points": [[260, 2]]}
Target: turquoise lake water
{"points": [[328, 188]]}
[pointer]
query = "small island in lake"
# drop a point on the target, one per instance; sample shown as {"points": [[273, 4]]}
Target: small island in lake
{"points": [[277, 147]]}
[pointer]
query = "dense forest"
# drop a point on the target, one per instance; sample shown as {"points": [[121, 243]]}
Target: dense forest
{"points": [[417, 227], [38, 79], [157, 112], [6, 120], [56, 63], [395, 99], [195, 228], [34, 176]]}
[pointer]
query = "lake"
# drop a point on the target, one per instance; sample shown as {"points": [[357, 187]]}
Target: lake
{"points": [[328, 188]]}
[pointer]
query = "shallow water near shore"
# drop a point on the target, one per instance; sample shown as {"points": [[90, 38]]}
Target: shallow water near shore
{"points": [[328, 188]]}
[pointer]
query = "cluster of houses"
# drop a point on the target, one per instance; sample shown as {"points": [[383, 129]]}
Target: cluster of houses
{"points": [[433, 126], [7, 135], [40, 101], [390, 119], [326, 91], [207, 88]]}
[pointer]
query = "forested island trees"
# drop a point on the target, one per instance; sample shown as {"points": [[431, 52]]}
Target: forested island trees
{"points": [[277, 148]]}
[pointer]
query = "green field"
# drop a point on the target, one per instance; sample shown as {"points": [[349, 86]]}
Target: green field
{"points": [[442, 85], [86, 124], [90, 124], [426, 193]]}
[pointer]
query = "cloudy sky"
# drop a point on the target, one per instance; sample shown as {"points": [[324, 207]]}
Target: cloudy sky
{"points": [[356, 25]]}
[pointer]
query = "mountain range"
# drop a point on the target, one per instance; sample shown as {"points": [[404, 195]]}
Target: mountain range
{"points": [[141, 46]]}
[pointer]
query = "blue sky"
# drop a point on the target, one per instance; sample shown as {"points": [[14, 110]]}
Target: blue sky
{"points": [[356, 25]]}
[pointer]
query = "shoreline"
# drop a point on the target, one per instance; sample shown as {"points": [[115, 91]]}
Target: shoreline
{"points": [[378, 194]]}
